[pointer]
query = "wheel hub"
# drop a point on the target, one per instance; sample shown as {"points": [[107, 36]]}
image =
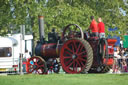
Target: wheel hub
{"points": [[35, 66], [74, 56]]}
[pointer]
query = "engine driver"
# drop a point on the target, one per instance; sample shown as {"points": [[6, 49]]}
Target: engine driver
{"points": [[93, 27]]}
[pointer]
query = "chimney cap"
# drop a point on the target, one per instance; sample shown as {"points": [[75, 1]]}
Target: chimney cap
{"points": [[40, 16]]}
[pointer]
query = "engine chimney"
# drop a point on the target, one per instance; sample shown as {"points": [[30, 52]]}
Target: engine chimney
{"points": [[41, 28]]}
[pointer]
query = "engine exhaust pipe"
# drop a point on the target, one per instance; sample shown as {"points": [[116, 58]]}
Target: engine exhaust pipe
{"points": [[41, 28]]}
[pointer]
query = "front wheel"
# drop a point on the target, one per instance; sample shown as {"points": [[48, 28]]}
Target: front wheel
{"points": [[36, 65]]}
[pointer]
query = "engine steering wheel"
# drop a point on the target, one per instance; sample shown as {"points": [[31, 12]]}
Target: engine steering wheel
{"points": [[72, 31]]}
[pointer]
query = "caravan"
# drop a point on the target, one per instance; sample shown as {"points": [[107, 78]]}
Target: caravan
{"points": [[11, 48]]}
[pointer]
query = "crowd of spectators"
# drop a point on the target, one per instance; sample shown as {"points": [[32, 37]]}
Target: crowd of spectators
{"points": [[120, 59]]}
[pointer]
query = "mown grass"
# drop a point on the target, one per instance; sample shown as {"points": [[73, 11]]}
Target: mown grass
{"points": [[65, 79]]}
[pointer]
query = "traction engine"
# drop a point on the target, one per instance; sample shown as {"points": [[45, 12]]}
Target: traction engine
{"points": [[76, 51]]}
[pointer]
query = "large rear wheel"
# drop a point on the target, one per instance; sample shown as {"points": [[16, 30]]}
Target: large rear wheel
{"points": [[76, 56]]}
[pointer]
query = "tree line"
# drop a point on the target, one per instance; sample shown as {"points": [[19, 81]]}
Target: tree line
{"points": [[59, 13]]}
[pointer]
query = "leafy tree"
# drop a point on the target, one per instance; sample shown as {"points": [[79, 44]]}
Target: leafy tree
{"points": [[59, 13], [4, 16]]}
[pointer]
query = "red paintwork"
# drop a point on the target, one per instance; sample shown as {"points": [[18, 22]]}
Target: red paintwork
{"points": [[111, 43], [70, 64], [109, 61], [35, 65], [94, 44], [50, 50]]}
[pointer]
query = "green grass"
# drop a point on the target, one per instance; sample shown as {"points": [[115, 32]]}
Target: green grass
{"points": [[65, 79]]}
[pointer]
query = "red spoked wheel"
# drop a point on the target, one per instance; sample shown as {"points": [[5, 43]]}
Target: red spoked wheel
{"points": [[76, 56], [36, 65]]}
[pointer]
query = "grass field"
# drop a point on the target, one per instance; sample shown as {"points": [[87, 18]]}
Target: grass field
{"points": [[65, 79]]}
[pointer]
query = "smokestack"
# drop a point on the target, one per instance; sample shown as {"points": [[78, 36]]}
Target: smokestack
{"points": [[41, 28]]}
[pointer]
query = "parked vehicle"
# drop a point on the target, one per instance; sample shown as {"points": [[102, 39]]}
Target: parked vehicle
{"points": [[11, 47]]}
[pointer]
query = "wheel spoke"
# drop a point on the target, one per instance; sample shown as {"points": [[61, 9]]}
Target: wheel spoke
{"points": [[73, 49], [70, 64], [81, 48], [66, 52], [82, 65], [78, 63], [41, 65], [75, 45], [81, 53], [81, 59], [84, 56], [67, 62], [74, 66], [67, 57], [78, 48], [69, 49]]}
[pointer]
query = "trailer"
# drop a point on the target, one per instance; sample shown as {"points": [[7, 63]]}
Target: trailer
{"points": [[11, 47]]}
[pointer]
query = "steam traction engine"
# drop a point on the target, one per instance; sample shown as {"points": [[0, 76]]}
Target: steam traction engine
{"points": [[78, 52]]}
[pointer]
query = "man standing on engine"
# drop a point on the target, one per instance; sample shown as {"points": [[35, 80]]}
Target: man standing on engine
{"points": [[101, 28], [94, 27]]}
